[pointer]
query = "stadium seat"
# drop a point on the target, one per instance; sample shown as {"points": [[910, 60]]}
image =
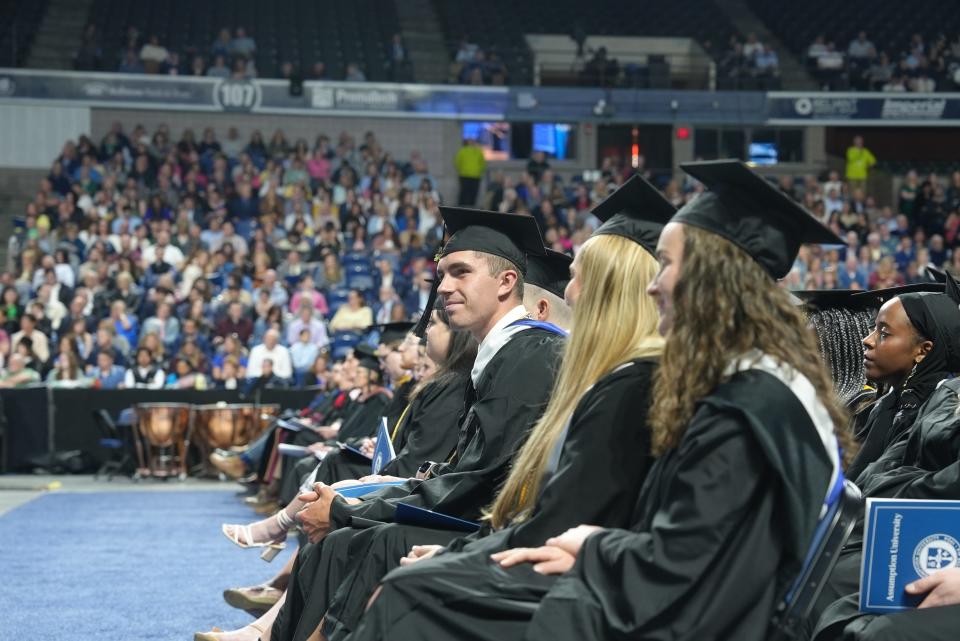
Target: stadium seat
{"points": [[360, 276], [831, 534], [342, 342], [114, 445], [336, 298]]}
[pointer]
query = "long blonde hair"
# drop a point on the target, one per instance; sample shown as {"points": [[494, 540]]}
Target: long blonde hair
{"points": [[614, 321], [724, 306]]}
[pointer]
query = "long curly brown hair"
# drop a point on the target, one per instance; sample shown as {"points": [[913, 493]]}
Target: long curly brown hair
{"points": [[726, 305]]}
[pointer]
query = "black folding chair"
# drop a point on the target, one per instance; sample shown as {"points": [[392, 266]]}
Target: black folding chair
{"points": [[829, 538], [115, 446]]}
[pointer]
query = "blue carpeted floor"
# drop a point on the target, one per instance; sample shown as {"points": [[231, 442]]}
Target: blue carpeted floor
{"points": [[123, 566]]}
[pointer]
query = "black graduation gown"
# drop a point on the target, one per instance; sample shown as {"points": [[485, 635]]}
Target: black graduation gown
{"points": [[498, 412], [889, 420], [509, 397], [720, 529], [401, 398], [924, 464], [932, 624], [340, 408], [426, 433], [365, 421], [603, 461]]}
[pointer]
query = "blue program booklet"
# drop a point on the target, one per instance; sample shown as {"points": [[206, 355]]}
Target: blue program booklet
{"points": [[412, 515], [291, 425], [356, 491], [349, 448], [904, 540], [383, 453]]}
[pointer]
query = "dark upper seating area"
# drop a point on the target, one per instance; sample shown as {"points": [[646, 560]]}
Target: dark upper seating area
{"points": [[895, 29], [18, 24], [303, 32], [498, 26]]}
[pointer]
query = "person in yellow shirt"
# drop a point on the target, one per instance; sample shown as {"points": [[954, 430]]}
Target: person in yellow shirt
{"points": [[470, 165], [355, 315], [859, 162]]}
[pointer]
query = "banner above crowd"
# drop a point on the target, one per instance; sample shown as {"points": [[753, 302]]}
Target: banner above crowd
{"points": [[256, 96], [863, 109], [457, 102]]}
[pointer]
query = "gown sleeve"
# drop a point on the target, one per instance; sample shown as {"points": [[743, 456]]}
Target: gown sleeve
{"points": [[431, 432], [605, 460], [493, 429], [697, 557]]}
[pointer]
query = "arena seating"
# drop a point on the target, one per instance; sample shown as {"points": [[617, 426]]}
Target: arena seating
{"points": [[484, 24], [336, 32], [18, 24]]}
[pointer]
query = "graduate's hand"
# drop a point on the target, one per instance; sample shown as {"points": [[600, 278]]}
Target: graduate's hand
{"points": [[367, 447], [572, 540], [315, 517], [346, 483], [318, 448], [941, 588], [327, 432], [419, 553], [380, 478], [546, 559]]}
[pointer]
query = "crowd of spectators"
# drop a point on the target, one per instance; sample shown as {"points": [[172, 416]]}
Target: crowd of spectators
{"points": [[924, 65], [475, 65], [749, 64], [230, 55], [201, 263], [207, 263]]}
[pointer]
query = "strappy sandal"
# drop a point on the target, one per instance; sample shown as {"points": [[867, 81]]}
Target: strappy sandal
{"points": [[241, 536]]}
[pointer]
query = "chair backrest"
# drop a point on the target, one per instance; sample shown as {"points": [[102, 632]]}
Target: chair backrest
{"points": [[109, 434], [831, 534], [104, 421]]}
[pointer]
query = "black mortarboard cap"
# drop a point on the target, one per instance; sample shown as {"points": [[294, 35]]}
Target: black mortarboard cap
{"points": [[877, 297], [420, 329], [751, 213], [367, 356], [636, 210], [510, 236], [953, 290], [936, 274], [835, 299], [391, 332], [551, 271]]}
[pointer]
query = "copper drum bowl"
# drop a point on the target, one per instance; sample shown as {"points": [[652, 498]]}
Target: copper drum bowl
{"points": [[162, 424], [221, 425], [260, 418]]}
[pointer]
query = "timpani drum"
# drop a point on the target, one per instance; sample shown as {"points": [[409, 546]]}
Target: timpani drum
{"points": [[220, 425], [261, 418], [231, 425], [162, 438]]}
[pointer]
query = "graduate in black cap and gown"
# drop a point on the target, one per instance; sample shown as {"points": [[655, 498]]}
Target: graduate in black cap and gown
{"points": [[586, 459], [424, 431], [481, 272], [747, 452], [339, 464], [915, 346]]}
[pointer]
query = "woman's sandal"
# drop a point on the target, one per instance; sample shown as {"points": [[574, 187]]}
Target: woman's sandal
{"points": [[241, 536]]}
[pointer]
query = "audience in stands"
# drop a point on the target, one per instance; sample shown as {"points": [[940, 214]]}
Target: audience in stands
{"points": [[922, 66], [182, 253]]}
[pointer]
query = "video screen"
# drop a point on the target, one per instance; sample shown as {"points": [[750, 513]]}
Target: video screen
{"points": [[493, 138], [763, 153], [554, 139]]}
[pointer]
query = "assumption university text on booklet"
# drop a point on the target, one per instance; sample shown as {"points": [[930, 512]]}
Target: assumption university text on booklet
{"points": [[904, 540]]}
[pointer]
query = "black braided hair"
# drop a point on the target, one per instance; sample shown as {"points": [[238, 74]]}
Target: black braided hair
{"points": [[839, 335]]}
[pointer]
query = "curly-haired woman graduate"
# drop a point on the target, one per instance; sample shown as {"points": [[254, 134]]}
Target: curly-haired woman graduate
{"points": [[743, 423]]}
